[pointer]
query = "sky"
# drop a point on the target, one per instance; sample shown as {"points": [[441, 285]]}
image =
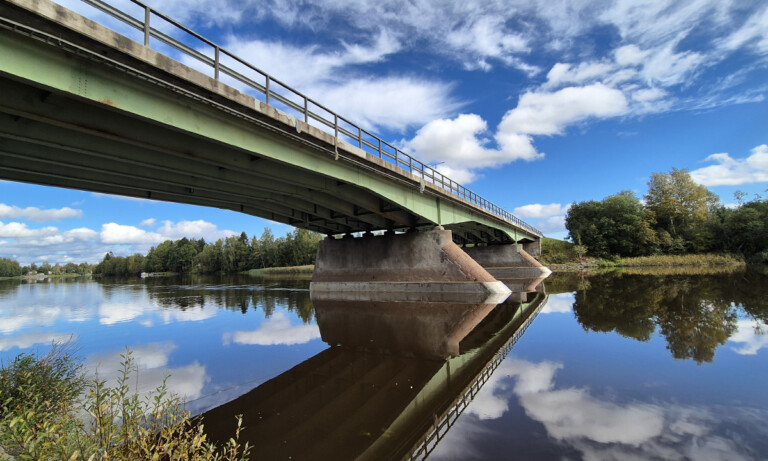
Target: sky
{"points": [[534, 105]]}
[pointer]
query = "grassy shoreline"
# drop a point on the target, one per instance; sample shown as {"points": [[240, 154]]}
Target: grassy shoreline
{"points": [[308, 269]]}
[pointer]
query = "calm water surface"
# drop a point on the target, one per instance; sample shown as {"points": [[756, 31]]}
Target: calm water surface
{"points": [[603, 367]]}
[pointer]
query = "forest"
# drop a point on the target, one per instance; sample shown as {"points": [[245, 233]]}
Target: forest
{"points": [[677, 216], [237, 253]]}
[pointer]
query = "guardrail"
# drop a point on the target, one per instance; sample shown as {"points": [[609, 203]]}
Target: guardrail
{"points": [[294, 100]]}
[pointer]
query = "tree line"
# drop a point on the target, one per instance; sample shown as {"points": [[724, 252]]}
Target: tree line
{"points": [[12, 268], [237, 253], [678, 216]]}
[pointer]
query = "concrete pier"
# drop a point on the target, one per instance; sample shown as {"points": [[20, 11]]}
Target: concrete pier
{"points": [[427, 261], [507, 261]]}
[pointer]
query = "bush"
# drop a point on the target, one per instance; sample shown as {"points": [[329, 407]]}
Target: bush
{"points": [[44, 415]]}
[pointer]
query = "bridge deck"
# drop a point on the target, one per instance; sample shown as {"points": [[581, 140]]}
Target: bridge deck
{"points": [[87, 108]]}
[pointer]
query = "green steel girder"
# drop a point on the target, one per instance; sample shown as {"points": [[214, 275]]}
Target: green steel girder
{"points": [[87, 97]]}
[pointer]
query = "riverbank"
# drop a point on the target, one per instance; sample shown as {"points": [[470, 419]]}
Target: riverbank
{"points": [[308, 269], [43, 276]]}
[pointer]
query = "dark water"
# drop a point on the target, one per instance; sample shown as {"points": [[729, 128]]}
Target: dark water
{"points": [[611, 366]]}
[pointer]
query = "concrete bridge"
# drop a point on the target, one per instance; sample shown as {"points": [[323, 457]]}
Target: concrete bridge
{"points": [[87, 108]]}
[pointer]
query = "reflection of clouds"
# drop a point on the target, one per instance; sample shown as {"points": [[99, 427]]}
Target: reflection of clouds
{"points": [[30, 339], [602, 429], [152, 362], [276, 330], [191, 314], [574, 413], [754, 335], [20, 316], [561, 303], [111, 313]]}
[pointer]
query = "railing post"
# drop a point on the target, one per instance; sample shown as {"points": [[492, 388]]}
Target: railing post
{"points": [[306, 110], [360, 137], [146, 26], [216, 64], [266, 89]]}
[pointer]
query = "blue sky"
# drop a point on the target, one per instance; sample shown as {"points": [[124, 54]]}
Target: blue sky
{"points": [[533, 105]]}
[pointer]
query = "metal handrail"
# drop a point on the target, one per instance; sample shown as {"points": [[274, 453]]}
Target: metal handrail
{"points": [[357, 134]]}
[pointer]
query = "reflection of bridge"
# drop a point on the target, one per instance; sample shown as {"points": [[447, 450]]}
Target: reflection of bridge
{"points": [[353, 401], [84, 107]]}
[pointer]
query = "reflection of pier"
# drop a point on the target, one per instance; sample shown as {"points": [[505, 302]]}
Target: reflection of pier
{"points": [[353, 401]]}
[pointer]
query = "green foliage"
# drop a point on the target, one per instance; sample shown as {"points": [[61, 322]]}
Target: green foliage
{"points": [[617, 225], [679, 217], [555, 251], [43, 417], [236, 253], [9, 268]]}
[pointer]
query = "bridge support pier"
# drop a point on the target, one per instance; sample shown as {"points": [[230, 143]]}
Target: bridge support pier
{"points": [[508, 261], [427, 261]]}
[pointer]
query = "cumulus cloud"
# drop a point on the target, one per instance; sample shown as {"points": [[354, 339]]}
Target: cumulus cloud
{"points": [[113, 233], [547, 218], [549, 113], [537, 210], [36, 214], [730, 171], [28, 245], [276, 330], [149, 222]]}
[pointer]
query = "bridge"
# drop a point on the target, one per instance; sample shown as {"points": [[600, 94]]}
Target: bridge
{"points": [[85, 107]]}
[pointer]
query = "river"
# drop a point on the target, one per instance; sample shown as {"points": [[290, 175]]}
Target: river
{"points": [[608, 366]]}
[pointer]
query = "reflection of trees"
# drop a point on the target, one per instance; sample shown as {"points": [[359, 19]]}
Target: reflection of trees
{"points": [[232, 293], [8, 286], [695, 314]]}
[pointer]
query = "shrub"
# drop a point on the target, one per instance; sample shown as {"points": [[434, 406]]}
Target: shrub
{"points": [[44, 415]]}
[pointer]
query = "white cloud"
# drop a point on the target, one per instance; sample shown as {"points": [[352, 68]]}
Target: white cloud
{"points": [[549, 113], [119, 234], [464, 144], [537, 210], [36, 214], [276, 330], [733, 171], [192, 229], [149, 222], [28, 245]]}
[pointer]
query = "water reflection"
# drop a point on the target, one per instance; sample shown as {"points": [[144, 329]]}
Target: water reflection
{"points": [[398, 373], [695, 314]]}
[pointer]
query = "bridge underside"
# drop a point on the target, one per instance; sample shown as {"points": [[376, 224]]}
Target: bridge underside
{"points": [[117, 125]]}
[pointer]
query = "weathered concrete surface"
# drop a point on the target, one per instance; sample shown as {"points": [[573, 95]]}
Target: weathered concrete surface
{"points": [[533, 248], [431, 330], [508, 261], [426, 261]]}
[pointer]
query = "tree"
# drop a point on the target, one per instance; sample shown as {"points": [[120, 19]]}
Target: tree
{"points": [[681, 208], [617, 225]]}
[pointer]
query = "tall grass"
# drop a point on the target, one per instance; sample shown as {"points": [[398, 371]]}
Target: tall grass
{"points": [[700, 260], [45, 414]]}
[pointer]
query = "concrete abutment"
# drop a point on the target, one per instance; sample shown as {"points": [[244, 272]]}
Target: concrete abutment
{"points": [[426, 261]]}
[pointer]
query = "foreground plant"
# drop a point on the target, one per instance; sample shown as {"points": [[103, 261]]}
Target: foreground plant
{"points": [[45, 415]]}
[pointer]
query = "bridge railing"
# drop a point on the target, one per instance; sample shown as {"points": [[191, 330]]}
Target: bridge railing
{"points": [[275, 93]]}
